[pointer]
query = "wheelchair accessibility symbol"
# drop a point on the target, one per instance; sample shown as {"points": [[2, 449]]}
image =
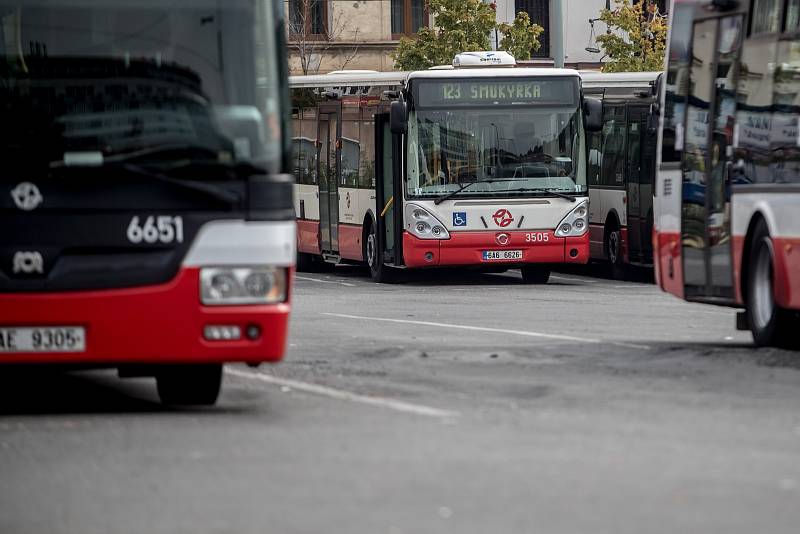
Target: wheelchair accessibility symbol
{"points": [[459, 218]]}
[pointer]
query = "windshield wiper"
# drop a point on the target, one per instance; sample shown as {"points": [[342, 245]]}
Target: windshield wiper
{"points": [[451, 194], [552, 191]]}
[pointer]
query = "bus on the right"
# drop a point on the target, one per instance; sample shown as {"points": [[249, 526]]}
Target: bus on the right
{"points": [[727, 195]]}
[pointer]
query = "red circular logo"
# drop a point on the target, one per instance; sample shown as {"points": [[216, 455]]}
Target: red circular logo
{"points": [[502, 217]]}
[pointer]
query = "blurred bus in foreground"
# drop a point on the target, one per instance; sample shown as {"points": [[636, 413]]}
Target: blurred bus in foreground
{"points": [[727, 197], [146, 221]]}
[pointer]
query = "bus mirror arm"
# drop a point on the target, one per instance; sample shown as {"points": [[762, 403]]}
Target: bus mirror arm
{"points": [[593, 112], [398, 117]]}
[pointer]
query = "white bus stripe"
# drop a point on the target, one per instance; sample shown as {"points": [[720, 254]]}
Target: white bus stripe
{"points": [[340, 394], [488, 329]]}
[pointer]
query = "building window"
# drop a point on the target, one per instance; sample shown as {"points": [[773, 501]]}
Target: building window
{"points": [[308, 17], [766, 16], [539, 12], [408, 16]]}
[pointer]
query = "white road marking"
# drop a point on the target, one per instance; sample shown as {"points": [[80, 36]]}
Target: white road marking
{"points": [[340, 394], [570, 279], [488, 329], [321, 281]]}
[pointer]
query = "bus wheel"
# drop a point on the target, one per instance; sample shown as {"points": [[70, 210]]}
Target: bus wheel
{"points": [[189, 384], [616, 267], [535, 274], [305, 262], [770, 324], [377, 270]]}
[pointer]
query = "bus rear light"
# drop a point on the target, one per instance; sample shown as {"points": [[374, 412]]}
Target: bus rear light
{"points": [[422, 224], [574, 224], [221, 286], [222, 333]]}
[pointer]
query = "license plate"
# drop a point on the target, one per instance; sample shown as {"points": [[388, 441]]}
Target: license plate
{"points": [[43, 339], [494, 255]]}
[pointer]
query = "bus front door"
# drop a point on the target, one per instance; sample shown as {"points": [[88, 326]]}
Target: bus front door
{"points": [[641, 172], [329, 169], [707, 158], [388, 192]]}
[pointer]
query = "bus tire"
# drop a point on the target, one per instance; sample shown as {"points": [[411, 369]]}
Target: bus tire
{"points": [[770, 324], [535, 274], [616, 264], [305, 262], [378, 271], [189, 384]]}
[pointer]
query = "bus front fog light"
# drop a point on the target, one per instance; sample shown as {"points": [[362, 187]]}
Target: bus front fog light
{"points": [[253, 332], [565, 228], [222, 333], [579, 224], [437, 231], [422, 227]]}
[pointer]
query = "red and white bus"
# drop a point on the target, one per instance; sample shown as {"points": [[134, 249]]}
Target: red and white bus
{"points": [[622, 169], [727, 198], [466, 166], [147, 223]]}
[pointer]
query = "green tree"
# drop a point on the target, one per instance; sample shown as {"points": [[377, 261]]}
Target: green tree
{"points": [[463, 26], [637, 37], [521, 37]]}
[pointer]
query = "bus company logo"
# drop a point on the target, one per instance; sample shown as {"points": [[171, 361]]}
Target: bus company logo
{"points": [[26, 196], [28, 263], [459, 218], [502, 217], [502, 239]]}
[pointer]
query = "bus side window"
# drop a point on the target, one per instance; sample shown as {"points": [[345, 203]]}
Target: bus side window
{"points": [[613, 167], [366, 164], [595, 157]]}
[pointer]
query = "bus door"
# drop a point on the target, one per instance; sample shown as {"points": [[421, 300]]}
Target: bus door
{"points": [[388, 192], [707, 158], [328, 170], [640, 172]]}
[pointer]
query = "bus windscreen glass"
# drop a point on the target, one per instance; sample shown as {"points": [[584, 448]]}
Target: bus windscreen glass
{"points": [[93, 82]]}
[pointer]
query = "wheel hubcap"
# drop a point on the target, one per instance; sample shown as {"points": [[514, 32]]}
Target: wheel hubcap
{"points": [[763, 302], [613, 247], [371, 249]]}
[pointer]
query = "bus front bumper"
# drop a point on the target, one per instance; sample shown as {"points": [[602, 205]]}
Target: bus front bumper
{"points": [[469, 248], [163, 323]]}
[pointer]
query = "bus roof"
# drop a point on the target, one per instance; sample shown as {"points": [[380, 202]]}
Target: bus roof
{"points": [[491, 73], [628, 80], [347, 79], [364, 78]]}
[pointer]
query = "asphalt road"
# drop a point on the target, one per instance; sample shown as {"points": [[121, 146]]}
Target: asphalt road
{"points": [[466, 403]]}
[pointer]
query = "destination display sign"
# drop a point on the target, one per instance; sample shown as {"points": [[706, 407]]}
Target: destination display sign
{"points": [[510, 91]]}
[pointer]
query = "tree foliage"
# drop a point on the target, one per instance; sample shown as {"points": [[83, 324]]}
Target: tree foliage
{"points": [[637, 37], [463, 26], [521, 37]]}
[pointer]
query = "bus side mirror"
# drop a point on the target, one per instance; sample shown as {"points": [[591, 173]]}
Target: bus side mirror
{"points": [[652, 119], [397, 117], [593, 111]]}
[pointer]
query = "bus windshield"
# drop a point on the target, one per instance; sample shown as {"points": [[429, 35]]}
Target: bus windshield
{"points": [[88, 81], [500, 147]]}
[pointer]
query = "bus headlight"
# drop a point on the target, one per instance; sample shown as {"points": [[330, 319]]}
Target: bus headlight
{"points": [[574, 224], [422, 224], [221, 286]]}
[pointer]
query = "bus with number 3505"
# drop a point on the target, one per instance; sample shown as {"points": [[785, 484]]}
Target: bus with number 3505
{"points": [[480, 165]]}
